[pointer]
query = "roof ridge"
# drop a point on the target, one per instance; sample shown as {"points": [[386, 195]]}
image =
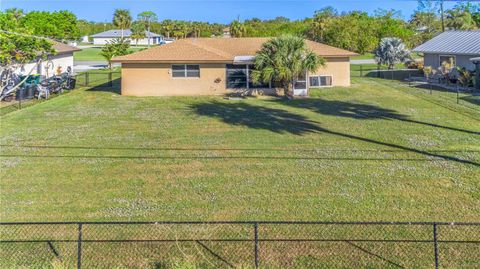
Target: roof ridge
{"points": [[210, 49]]}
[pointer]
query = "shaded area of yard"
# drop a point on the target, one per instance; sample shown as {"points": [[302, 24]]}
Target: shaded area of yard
{"points": [[369, 152]]}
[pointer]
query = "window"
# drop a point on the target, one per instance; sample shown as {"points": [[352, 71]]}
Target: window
{"points": [[320, 81], [450, 59], [236, 76], [239, 76], [185, 71]]}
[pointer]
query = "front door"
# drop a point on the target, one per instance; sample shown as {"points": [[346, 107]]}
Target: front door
{"points": [[300, 85]]}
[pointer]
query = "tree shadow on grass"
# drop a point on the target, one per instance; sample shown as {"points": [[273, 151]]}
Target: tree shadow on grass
{"points": [[283, 121], [475, 100], [362, 112], [257, 117], [112, 87]]}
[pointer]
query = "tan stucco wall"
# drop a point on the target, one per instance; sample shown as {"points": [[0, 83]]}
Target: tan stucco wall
{"points": [[142, 79], [339, 69], [157, 80]]}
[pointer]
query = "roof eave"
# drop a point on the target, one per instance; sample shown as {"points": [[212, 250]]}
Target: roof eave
{"points": [[444, 52], [171, 61]]}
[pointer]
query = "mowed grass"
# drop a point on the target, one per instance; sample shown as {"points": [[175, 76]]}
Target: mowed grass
{"points": [[371, 152], [93, 53]]}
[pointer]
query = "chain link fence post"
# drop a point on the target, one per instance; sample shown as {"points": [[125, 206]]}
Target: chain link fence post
{"points": [[435, 244], [255, 231], [79, 247]]}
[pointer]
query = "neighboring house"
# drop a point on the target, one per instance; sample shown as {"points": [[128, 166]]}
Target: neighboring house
{"points": [[168, 40], [107, 36], [209, 66], [226, 32], [63, 59], [454, 47], [85, 39]]}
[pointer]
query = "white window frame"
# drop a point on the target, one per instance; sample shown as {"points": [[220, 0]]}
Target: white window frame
{"points": [[326, 86], [185, 71], [447, 55]]}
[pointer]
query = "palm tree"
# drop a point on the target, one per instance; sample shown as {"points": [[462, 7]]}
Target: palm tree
{"points": [[148, 17], [237, 29], [460, 19], [167, 26], [434, 6], [196, 28], [15, 12], [284, 58], [391, 51], [122, 19]]}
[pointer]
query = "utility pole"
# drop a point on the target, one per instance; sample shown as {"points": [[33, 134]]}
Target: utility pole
{"points": [[148, 29], [443, 17]]}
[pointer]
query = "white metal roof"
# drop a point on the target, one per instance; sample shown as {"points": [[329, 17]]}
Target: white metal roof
{"points": [[454, 42], [118, 33], [243, 59]]}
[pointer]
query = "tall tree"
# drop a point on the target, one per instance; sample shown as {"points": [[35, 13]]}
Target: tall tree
{"points": [[237, 29], [148, 17], [282, 59], [391, 51], [426, 25], [56, 25], [138, 31], [122, 19], [168, 27], [460, 18], [16, 13], [321, 20], [17, 48], [434, 6], [113, 48]]}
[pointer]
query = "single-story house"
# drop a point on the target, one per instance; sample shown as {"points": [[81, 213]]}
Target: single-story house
{"points": [[211, 66], [107, 36], [61, 61], [454, 47]]}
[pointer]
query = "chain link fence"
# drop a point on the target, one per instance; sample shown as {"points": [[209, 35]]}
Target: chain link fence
{"points": [[99, 79], [96, 80], [374, 71], [240, 245]]}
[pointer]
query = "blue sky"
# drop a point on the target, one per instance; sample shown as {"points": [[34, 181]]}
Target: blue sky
{"points": [[222, 11]]}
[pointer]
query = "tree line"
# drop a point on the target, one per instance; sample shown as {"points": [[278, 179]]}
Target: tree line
{"points": [[356, 30]]}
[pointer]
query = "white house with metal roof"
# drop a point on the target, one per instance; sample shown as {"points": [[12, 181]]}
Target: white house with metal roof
{"points": [[107, 36], [455, 47]]}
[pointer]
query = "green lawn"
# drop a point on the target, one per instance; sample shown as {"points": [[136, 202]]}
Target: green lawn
{"points": [[93, 54], [363, 56], [367, 56], [371, 152]]}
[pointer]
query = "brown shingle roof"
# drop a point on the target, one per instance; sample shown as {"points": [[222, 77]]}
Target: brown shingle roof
{"points": [[63, 48], [215, 50]]}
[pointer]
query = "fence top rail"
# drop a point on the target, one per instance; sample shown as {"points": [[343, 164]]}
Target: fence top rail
{"points": [[241, 222]]}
